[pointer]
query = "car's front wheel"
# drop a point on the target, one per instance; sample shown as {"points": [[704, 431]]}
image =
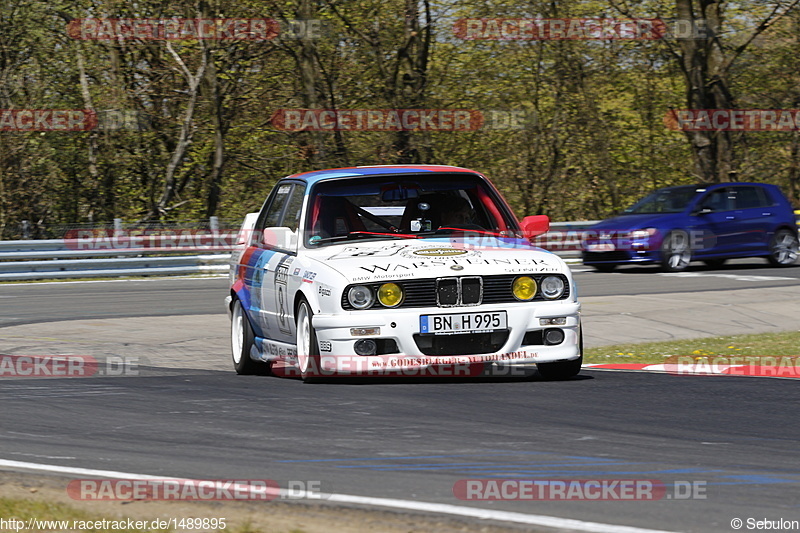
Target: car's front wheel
{"points": [[307, 347], [242, 339], [676, 252], [783, 248]]}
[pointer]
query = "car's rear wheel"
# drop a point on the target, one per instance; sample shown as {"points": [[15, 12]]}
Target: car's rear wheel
{"points": [[676, 252], [783, 248], [605, 267], [307, 347], [562, 369], [242, 339]]}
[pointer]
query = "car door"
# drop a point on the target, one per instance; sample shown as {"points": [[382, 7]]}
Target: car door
{"points": [[275, 243], [714, 217], [753, 217]]}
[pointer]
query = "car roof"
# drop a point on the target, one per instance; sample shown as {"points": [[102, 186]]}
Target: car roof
{"points": [[375, 170]]}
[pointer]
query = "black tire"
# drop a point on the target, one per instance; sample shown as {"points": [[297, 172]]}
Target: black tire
{"points": [[714, 263], [308, 359], [242, 339], [605, 267], [562, 369], [783, 248], [676, 251]]}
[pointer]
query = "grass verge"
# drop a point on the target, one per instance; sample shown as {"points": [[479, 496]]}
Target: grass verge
{"points": [[764, 344]]}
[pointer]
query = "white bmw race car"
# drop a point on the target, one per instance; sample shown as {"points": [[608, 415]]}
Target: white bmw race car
{"points": [[397, 270]]}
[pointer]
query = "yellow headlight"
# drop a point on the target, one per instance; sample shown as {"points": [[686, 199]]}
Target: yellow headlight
{"points": [[524, 288], [390, 294]]}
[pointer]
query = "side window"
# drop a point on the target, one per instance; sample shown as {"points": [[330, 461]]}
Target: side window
{"points": [[294, 208], [719, 200], [750, 197], [274, 211], [283, 211]]}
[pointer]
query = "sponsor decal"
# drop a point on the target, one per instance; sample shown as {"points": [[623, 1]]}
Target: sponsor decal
{"points": [[439, 252], [308, 276], [281, 292], [323, 290]]}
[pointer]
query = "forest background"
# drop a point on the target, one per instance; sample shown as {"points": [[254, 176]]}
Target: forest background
{"points": [[574, 128]]}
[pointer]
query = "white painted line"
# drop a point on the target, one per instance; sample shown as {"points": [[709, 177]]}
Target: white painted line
{"points": [[441, 508], [737, 277]]}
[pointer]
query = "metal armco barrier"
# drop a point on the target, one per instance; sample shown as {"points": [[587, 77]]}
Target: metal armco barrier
{"points": [[168, 255]]}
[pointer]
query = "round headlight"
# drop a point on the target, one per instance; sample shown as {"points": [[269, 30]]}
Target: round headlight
{"points": [[552, 287], [390, 294], [360, 297], [524, 288]]}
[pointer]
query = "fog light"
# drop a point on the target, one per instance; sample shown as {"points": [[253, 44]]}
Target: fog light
{"points": [[366, 347], [364, 332], [555, 321], [553, 336]]}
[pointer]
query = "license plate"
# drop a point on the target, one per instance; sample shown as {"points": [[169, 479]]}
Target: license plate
{"points": [[605, 247], [462, 323]]}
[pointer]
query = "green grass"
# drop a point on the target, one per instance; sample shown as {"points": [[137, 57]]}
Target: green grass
{"points": [[766, 344], [31, 509]]}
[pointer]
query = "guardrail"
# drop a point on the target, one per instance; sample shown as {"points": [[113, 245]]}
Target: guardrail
{"points": [[112, 254]]}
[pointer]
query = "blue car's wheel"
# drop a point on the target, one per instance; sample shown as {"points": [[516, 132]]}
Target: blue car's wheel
{"points": [[783, 248], [676, 251]]}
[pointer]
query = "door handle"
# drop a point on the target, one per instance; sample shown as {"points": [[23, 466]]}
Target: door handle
{"points": [[730, 218]]}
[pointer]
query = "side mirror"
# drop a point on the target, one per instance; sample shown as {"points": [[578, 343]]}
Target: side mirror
{"points": [[703, 211], [280, 237], [535, 225]]}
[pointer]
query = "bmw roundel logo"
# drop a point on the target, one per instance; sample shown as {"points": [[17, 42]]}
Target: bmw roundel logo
{"points": [[456, 267]]}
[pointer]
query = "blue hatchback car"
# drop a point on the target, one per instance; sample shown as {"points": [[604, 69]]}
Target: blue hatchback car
{"points": [[711, 223]]}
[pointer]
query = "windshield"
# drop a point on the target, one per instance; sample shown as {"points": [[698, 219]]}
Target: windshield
{"points": [[670, 200], [404, 207]]}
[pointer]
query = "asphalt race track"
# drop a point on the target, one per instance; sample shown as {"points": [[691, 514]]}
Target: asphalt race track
{"points": [[732, 439]]}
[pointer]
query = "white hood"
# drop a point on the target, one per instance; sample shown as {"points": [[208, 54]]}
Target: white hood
{"points": [[405, 259]]}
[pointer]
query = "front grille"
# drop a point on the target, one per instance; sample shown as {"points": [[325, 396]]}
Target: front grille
{"points": [[466, 344], [446, 292], [432, 292]]}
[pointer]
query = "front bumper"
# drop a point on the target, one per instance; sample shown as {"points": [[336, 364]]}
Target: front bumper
{"points": [[337, 353]]}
